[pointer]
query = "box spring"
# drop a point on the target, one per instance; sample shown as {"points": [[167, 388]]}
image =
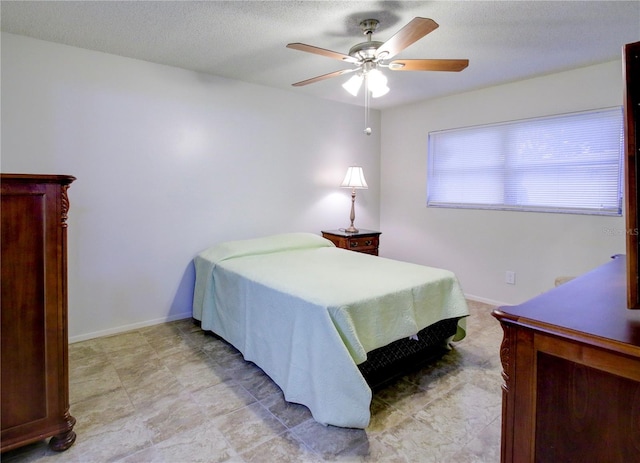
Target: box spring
{"points": [[387, 363]]}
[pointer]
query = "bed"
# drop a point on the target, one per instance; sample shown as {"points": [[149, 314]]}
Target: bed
{"points": [[313, 316]]}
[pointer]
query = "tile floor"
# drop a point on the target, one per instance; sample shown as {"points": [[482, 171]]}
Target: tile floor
{"points": [[171, 393]]}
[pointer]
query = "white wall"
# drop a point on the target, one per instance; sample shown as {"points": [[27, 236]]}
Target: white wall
{"points": [[169, 162], [479, 246]]}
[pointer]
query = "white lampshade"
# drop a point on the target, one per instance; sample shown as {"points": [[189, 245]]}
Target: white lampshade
{"points": [[381, 91], [354, 178], [353, 84], [377, 83]]}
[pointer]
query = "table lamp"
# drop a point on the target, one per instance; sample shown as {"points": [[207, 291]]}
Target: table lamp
{"points": [[354, 180]]}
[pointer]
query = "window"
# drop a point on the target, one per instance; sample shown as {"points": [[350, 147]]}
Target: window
{"points": [[570, 163]]}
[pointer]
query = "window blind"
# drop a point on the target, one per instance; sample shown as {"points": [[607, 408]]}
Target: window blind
{"points": [[570, 163]]}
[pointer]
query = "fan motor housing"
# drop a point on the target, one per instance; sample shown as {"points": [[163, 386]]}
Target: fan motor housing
{"points": [[365, 50]]}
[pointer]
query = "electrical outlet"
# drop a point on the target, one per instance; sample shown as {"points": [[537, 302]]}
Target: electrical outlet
{"points": [[510, 277]]}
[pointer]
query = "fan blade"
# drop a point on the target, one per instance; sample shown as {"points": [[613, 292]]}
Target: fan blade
{"points": [[453, 65], [322, 52], [412, 32], [323, 77]]}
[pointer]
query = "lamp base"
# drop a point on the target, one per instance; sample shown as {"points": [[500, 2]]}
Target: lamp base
{"points": [[351, 229]]}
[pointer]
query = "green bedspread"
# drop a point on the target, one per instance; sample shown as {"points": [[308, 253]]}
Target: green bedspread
{"points": [[307, 313]]}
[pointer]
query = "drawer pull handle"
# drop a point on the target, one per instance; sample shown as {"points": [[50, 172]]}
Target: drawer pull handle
{"points": [[368, 243], [354, 244]]}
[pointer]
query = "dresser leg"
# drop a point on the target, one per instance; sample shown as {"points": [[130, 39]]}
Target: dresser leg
{"points": [[64, 440]]}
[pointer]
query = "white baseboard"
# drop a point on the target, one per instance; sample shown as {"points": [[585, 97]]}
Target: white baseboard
{"points": [[124, 328], [485, 300]]}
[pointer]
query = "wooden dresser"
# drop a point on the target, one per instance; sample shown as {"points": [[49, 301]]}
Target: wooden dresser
{"points": [[571, 370], [33, 336], [366, 241]]}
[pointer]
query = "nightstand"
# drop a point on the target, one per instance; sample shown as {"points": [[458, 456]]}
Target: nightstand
{"points": [[366, 241]]}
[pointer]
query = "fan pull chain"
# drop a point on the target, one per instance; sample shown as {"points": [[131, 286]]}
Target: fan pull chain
{"points": [[367, 96]]}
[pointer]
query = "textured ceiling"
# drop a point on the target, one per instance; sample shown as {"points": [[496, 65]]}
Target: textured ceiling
{"points": [[504, 41]]}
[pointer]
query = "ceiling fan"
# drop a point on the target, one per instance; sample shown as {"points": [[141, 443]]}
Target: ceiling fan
{"points": [[368, 56]]}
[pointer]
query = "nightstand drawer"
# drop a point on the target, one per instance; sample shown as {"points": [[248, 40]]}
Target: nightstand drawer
{"points": [[362, 243], [365, 241]]}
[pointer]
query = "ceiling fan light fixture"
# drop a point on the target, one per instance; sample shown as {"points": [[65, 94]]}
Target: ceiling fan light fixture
{"points": [[353, 84], [377, 83], [381, 91]]}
